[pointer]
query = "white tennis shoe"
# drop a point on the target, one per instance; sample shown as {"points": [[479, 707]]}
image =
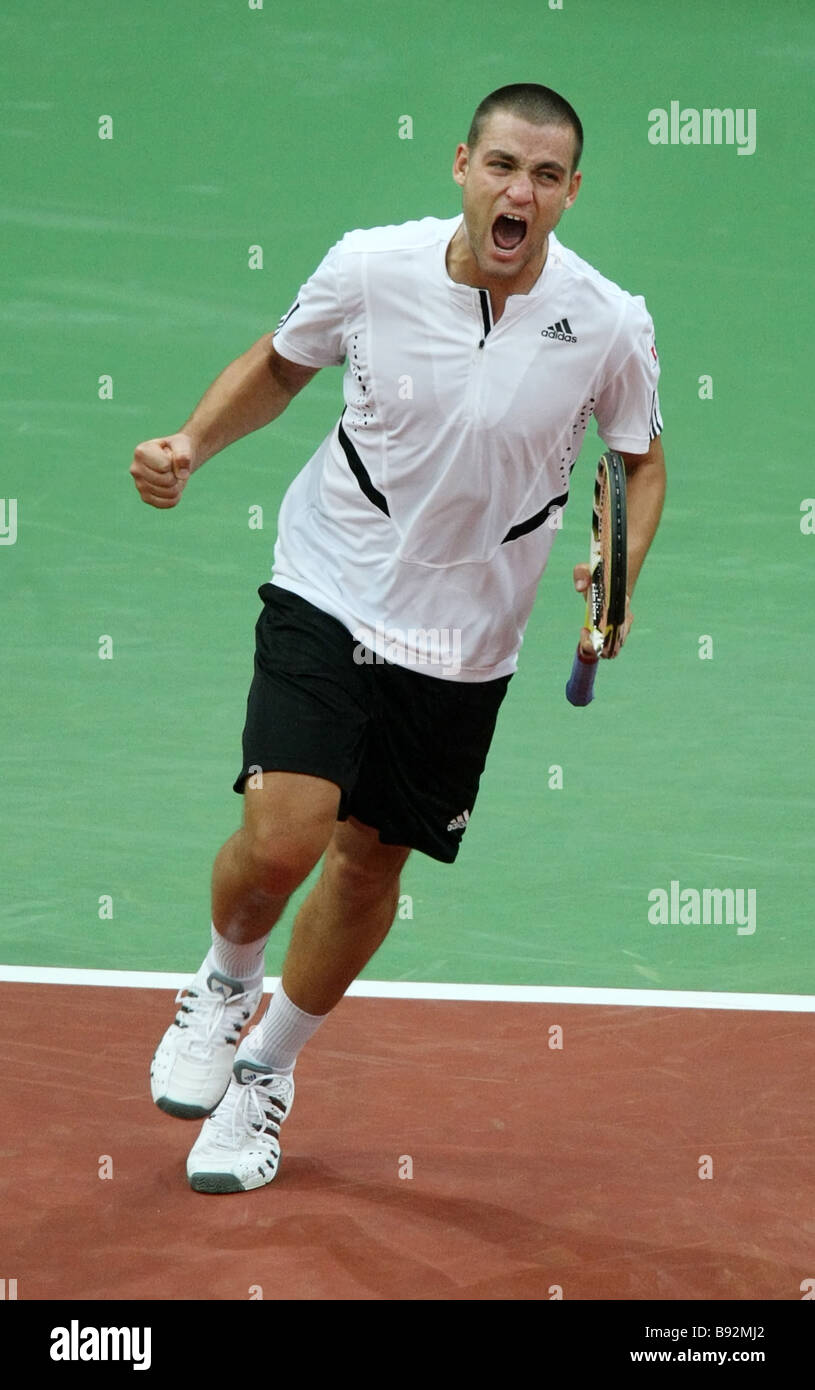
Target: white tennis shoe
{"points": [[238, 1148], [193, 1062]]}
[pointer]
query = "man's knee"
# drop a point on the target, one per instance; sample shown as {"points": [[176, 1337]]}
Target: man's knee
{"points": [[362, 869], [279, 863], [286, 832]]}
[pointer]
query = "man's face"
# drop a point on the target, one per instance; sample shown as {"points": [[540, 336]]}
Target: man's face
{"points": [[516, 183]]}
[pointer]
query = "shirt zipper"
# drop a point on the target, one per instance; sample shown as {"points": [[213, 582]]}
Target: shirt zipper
{"points": [[477, 368], [486, 314]]}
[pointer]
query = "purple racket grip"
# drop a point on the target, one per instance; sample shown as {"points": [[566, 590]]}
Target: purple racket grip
{"points": [[580, 689]]}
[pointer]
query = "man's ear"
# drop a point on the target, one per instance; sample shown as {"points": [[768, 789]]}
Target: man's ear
{"points": [[460, 164], [574, 188]]}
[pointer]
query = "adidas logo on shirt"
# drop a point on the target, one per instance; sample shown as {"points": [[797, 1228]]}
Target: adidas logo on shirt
{"points": [[561, 331], [459, 822]]}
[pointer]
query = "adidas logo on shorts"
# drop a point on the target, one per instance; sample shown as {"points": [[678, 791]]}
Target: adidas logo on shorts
{"points": [[459, 822]]}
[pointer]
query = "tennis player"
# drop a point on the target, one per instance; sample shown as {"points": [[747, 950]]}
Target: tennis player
{"points": [[408, 556]]}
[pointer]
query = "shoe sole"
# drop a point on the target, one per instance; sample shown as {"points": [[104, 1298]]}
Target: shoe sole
{"points": [[202, 1181], [216, 1182], [179, 1111]]}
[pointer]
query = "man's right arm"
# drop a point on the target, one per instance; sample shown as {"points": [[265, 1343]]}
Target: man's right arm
{"points": [[252, 391]]}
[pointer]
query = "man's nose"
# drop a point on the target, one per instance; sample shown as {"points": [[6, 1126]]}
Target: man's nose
{"points": [[520, 189]]}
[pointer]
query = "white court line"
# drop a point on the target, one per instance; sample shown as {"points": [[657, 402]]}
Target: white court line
{"points": [[411, 989]]}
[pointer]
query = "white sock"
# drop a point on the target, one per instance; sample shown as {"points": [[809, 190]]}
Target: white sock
{"points": [[244, 963], [281, 1033]]}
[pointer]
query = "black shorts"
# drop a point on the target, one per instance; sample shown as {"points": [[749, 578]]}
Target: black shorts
{"points": [[406, 749]]}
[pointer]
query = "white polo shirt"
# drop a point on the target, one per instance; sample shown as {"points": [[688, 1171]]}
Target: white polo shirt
{"points": [[424, 520]]}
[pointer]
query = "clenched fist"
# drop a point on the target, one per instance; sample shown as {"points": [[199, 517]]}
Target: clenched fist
{"points": [[161, 469]]}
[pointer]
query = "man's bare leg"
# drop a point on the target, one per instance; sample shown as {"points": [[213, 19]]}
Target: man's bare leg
{"points": [[342, 922], [288, 822], [345, 918]]}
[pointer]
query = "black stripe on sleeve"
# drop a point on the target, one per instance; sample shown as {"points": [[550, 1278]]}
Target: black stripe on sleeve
{"points": [[360, 472], [287, 316]]}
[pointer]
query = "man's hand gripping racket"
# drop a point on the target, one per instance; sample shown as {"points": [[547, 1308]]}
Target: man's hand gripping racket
{"points": [[607, 616]]}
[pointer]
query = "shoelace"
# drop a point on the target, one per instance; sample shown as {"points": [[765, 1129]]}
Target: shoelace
{"points": [[257, 1111], [204, 1019]]}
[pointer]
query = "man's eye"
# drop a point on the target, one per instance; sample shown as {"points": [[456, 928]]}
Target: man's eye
{"points": [[501, 164]]}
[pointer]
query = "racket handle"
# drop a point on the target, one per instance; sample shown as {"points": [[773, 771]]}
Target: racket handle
{"points": [[580, 688]]}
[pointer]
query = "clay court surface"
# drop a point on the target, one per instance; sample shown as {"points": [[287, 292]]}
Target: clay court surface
{"points": [[533, 1169]]}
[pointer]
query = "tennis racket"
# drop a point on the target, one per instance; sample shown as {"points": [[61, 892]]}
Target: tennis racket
{"points": [[608, 561]]}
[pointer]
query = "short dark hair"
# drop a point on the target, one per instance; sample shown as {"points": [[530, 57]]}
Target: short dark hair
{"points": [[539, 105]]}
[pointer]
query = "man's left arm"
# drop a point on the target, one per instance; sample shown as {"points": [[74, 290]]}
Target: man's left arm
{"points": [[645, 494]]}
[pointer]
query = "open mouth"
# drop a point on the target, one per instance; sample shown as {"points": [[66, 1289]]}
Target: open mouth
{"points": [[508, 231]]}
